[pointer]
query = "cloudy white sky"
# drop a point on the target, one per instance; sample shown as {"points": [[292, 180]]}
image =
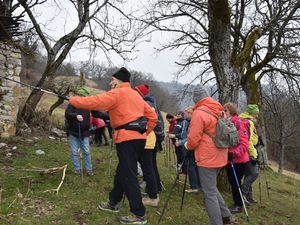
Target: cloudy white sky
{"points": [[60, 21]]}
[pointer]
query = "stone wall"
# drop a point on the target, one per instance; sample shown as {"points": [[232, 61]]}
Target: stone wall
{"points": [[10, 66]]}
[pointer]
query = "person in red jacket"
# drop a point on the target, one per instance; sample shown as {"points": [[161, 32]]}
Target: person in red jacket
{"points": [[99, 124], [239, 154], [126, 108], [209, 158]]}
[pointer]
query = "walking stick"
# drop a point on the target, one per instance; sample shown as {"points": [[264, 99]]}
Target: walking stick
{"points": [[267, 184], [170, 193], [237, 183], [184, 186], [259, 185], [35, 88], [79, 153]]}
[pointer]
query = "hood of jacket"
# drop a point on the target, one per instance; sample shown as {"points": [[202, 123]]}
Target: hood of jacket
{"points": [[211, 104]]}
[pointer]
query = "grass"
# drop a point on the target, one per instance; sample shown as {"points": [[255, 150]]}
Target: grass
{"points": [[23, 200]]}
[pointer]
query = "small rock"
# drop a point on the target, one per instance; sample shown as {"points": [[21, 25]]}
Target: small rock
{"points": [[2, 145], [39, 152], [14, 148], [51, 137], [29, 140], [9, 154], [57, 132], [36, 138]]}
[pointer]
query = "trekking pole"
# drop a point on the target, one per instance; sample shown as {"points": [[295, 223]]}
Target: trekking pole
{"points": [[259, 185], [169, 196], [79, 153], [264, 166], [184, 185], [110, 155], [35, 88], [237, 183]]}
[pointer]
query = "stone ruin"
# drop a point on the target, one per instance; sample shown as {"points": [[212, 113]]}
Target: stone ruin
{"points": [[10, 66]]}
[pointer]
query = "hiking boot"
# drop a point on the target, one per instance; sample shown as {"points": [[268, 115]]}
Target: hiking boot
{"points": [[133, 219], [247, 202], [150, 201], [106, 206], [196, 190], [90, 173], [236, 209], [251, 201], [227, 220]]}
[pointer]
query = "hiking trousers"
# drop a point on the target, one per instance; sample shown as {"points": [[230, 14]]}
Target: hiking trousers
{"points": [[125, 180], [240, 170], [214, 202], [251, 174], [149, 173]]}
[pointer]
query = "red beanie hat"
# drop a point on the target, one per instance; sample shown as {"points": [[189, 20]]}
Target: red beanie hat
{"points": [[143, 89]]}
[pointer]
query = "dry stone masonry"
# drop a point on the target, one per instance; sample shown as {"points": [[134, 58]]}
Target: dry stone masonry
{"points": [[10, 66]]}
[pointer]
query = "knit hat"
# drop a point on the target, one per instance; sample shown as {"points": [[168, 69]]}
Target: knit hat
{"points": [[122, 75], [252, 109], [143, 89], [199, 93], [83, 91], [181, 113]]}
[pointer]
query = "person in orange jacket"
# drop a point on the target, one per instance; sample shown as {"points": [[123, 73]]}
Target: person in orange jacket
{"points": [[209, 158], [126, 108]]}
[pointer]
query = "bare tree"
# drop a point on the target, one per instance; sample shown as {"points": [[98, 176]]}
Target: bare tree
{"points": [[235, 42], [281, 113], [94, 24]]}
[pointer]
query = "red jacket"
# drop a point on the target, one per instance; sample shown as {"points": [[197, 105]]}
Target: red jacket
{"points": [[172, 125], [97, 122], [124, 105], [206, 153]]}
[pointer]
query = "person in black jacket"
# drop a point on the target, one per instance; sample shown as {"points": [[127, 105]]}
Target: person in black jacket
{"points": [[78, 124]]}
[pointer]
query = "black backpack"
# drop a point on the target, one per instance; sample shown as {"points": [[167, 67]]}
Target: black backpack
{"points": [[159, 129]]}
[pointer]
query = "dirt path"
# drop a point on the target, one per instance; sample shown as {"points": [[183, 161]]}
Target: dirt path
{"points": [[274, 166]]}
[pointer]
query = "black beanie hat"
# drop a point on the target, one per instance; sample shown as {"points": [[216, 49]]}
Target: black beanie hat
{"points": [[122, 75]]}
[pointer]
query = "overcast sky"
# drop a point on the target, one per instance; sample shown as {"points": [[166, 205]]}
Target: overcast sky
{"points": [[161, 65]]}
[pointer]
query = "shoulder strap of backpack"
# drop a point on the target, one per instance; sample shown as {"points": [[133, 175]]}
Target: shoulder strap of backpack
{"points": [[212, 114]]}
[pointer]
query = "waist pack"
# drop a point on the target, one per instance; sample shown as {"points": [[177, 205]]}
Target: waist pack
{"points": [[139, 125], [227, 135]]}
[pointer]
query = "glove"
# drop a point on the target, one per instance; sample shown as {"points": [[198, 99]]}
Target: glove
{"points": [[231, 156], [260, 142], [253, 161], [67, 98]]}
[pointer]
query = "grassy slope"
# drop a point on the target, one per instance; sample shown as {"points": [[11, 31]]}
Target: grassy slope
{"points": [[77, 203]]}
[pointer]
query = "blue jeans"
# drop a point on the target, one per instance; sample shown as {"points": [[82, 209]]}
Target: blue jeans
{"points": [[192, 171], [85, 150]]}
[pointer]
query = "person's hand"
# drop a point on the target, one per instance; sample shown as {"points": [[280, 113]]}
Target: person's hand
{"points": [[176, 142], [171, 135], [67, 98], [231, 156], [79, 118]]}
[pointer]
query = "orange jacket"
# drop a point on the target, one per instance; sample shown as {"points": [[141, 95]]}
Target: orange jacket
{"points": [[124, 105], [206, 153]]}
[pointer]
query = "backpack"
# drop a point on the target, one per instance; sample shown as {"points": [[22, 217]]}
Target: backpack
{"points": [[159, 129], [227, 135]]}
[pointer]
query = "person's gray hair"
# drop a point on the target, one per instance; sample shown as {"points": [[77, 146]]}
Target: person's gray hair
{"points": [[199, 93]]}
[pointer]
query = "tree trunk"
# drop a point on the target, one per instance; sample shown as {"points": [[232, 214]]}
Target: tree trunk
{"points": [[228, 78], [281, 158], [32, 101], [251, 89], [55, 105]]}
